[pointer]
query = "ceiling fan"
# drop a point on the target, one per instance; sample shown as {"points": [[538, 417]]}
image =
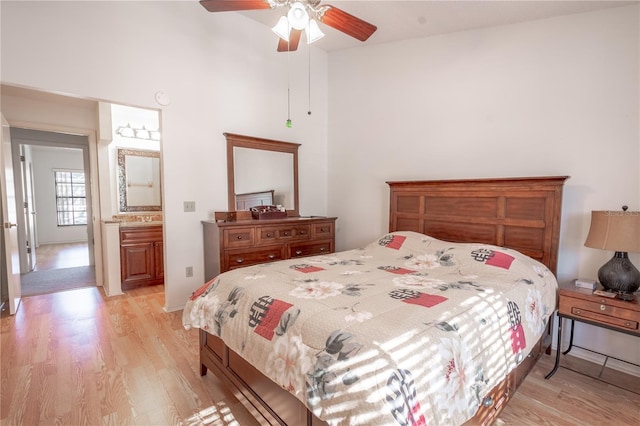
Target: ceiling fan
{"points": [[300, 16]]}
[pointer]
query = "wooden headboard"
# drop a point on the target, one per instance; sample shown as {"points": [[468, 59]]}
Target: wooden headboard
{"points": [[252, 199], [518, 213]]}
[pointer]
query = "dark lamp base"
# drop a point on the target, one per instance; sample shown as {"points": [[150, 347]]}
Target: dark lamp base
{"points": [[619, 275]]}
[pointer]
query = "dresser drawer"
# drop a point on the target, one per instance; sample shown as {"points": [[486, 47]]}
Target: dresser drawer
{"points": [[238, 237], [267, 235], [246, 242], [601, 312], [310, 248], [239, 258], [322, 230]]}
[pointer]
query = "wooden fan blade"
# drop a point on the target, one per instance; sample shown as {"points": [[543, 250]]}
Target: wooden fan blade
{"points": [[232, 5], [348, 24], [292, 45]]}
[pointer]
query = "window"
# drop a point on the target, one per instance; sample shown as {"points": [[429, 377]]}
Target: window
{"points": [[71, 201]]}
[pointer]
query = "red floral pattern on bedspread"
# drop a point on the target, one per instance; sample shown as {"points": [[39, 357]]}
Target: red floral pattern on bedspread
{"points": [[408, 330]]}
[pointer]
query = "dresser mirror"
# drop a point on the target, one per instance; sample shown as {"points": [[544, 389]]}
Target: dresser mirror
{"points": [[139, 180], [262, 167]]}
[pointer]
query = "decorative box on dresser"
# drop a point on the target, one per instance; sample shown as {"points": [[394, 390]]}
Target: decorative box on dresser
{"points": [[141, 256], [231, 245]]}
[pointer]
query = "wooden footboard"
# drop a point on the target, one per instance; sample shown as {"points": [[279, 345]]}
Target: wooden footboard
{"points": [[272, 405]]}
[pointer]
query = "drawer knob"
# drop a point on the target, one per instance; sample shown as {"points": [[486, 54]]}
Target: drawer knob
{"points": [[298, 252], [627, 324], [239, 260], [301, 232], [286, 234], [268, 235], [487, 402], [322, 230], [322, 249], [603, 307], [272, 256], [239, 237]]}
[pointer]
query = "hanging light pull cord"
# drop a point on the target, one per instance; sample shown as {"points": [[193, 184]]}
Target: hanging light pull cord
{"points": [[289, 124], [309, 67]]}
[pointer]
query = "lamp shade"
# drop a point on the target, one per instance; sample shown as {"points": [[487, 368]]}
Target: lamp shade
{"points": [[615, 231]]}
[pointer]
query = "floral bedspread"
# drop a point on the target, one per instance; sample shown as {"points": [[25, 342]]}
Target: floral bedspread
{"points": [[409, 330]]}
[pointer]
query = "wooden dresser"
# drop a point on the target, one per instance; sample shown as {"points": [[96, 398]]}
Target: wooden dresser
{"points": [[141, 256], [230, 245]]}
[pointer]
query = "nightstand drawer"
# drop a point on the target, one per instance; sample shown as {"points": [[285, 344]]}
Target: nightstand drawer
{"points": [[599, 312]]}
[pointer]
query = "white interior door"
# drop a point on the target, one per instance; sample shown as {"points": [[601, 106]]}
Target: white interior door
{"points": [[9, 218]]}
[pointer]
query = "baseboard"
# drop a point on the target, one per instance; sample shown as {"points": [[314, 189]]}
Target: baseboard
{"points": [[173, 308], [614, 364]]}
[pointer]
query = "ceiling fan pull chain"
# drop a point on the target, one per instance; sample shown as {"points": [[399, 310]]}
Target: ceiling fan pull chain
{"points": [[309, 67], [289, 124]]}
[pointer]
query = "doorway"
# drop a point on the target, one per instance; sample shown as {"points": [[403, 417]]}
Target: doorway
{"points": [[51, 175]]}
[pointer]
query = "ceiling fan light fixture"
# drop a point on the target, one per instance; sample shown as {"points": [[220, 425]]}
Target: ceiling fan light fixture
{"points": [[282, 28], [298, 16], [313, 32]]}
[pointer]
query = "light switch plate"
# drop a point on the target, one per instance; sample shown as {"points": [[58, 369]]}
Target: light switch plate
{"points": [[189, 206]]}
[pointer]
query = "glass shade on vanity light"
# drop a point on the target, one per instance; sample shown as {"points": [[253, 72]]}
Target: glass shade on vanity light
{"points": [[617, 231]]}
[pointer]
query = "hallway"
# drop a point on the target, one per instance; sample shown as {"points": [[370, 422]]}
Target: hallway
{"points": [[59, 267]]}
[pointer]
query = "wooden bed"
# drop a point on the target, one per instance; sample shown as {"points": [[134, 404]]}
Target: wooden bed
{"points": [[517, 213]]}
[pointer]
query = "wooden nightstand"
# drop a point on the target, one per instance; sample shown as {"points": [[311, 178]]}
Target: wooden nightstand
{"points": [[580, 304]]}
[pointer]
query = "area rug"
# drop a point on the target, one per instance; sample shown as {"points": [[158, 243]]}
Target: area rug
{"points": [[54, 280]]}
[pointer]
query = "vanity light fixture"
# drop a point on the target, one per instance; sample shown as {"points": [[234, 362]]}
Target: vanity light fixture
{"points": [[129, 131]]}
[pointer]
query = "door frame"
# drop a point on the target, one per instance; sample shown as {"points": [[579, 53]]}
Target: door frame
{"points": [[9, 238], [90, 155]]}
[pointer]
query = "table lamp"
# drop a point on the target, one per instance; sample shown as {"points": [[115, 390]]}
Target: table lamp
{"points": [[618, 231]]}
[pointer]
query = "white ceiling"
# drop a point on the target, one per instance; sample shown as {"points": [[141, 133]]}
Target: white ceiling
{"points": [[401, 20]]}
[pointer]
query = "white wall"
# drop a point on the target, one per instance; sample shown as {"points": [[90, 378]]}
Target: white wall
{"points": [[45, 161], [551, 97], [222, 74], [558, 96]]}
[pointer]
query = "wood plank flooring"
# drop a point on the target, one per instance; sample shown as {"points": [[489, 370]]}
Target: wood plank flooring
{"points": [[80, 358], [63, 255]]}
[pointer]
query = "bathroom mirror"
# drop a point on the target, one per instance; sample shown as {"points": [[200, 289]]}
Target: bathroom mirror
{"points": [[256, 165], [139, 182]]}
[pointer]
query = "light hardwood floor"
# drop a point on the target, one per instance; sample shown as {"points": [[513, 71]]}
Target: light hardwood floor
{"points": [[64, 255], [80, 358]]}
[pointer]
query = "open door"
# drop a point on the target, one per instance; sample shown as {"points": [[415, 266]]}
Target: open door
{"points": [[29, 210], [9, 219]]}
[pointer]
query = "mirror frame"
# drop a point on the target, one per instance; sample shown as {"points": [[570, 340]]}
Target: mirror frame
{"points": [[122, 181], [234, 140]]}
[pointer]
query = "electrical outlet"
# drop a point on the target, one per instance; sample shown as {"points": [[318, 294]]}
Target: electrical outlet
{"points": [[189, 206], [188, 271]]}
